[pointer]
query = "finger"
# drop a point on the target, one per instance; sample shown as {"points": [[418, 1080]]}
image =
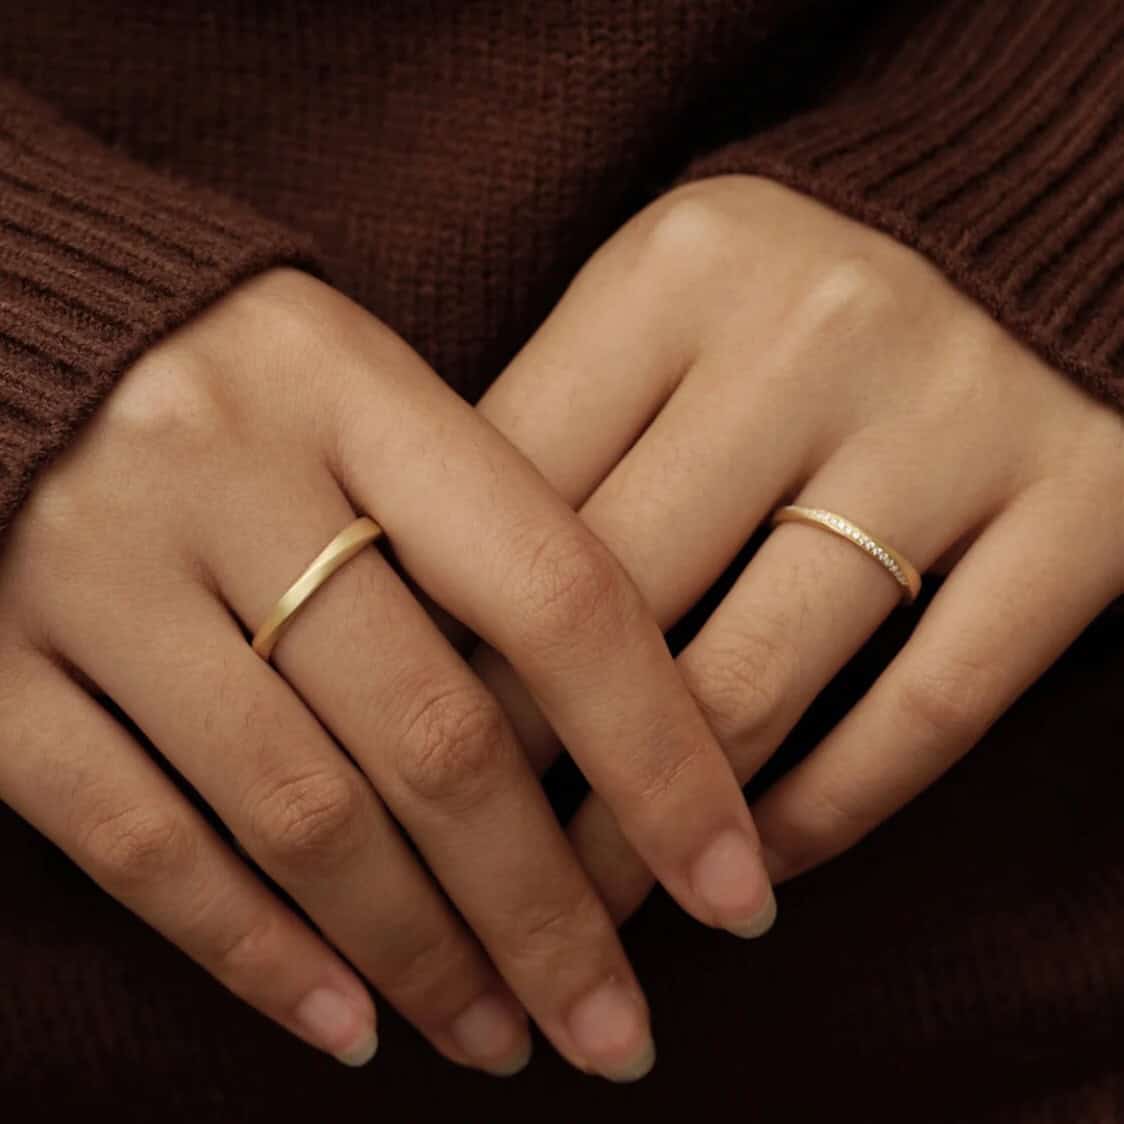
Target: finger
{"points": [[185, 675], [601, 365], [1019, 597], [809, 599], [73, 773], [803, 606], [680, 505], [366, 659], [480, 530]]}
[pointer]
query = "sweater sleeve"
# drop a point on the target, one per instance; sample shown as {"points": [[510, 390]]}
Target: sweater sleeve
{"points": [[989, 137], [99, 257]]}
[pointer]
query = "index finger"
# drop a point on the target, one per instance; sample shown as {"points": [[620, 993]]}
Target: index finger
{"points": [[479, 529]]}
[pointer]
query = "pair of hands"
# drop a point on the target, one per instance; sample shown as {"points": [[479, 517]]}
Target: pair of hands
{"points": [[734, 347]]}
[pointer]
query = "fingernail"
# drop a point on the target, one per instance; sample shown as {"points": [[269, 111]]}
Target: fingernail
{"points": [[731, 879], [611, 1031], [489, 1033], [759, 925], [333, 1022]]}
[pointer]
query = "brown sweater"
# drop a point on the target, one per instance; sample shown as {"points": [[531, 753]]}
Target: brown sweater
{"points": [[450, 165]]}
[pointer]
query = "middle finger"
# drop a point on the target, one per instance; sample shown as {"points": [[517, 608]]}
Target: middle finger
{"points": [[479, 529], [707, 472], [367, 660]]}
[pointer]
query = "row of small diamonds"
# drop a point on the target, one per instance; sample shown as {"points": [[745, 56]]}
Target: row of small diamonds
{"points": [[865, 541]]}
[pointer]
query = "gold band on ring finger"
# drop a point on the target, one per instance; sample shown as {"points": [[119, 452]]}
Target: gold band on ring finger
{"points": [[345, 546], [896, 564]]}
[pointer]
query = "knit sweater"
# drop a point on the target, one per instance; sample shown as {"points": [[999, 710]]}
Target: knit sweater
{"points": [[450, 165]]}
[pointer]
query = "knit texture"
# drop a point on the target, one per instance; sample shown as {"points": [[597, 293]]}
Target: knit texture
{"points": [[99, 258], [991, 138], [454, 162]]}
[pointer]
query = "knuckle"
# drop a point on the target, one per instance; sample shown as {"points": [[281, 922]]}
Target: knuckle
{"points": [[826, 819], [968, 346], [742, 684], [560, 926], [834, 818], [137, 846], [662, 777], [434, 974], [570, 585], [298, 314], [67, 511], [453, 744], [241, 957], [422, 961], [690, 229], [826, 824], [312, 819], [949, 700], [166, 402], [849, 296]]}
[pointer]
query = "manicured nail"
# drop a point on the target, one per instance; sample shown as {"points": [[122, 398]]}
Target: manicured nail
{"points": [[490, 1034], [337, 1027], [611, 1031], [732, 881]]}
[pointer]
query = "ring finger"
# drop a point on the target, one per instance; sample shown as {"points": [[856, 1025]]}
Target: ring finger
{"points": [[805, 603], [803, 606], [982, 641]]}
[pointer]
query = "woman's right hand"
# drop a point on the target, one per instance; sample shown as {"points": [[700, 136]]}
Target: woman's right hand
{"points": [[226, 458]]}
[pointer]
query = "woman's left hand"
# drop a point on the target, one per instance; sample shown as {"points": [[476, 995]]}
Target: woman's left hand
{"points": [[738, 346]]}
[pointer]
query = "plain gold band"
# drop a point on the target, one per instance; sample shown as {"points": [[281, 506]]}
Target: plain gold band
{"points": [[345, 546], [897, 565]]}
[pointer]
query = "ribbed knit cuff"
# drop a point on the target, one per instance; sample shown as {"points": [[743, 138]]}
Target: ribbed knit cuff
{"points": [[990, 137], [99, 258]]}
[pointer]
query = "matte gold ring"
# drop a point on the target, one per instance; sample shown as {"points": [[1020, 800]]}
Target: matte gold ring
{"points": [[345, 546], [897, 565]]}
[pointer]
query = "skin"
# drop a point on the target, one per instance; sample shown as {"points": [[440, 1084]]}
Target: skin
{"points": [[738, 346], [217, 469], [734, 347]]}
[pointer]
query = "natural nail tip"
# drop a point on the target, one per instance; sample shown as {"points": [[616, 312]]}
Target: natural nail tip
{"points": [[640, 1067], [361, 1053], [517, 1063], [759, 925], [728, 878]]}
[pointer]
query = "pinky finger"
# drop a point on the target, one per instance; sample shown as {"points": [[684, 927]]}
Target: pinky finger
{"points": [[1016, 600], [74, 773]]}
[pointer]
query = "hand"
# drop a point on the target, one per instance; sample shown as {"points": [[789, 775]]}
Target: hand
{"points": [[223, 462], [738, 346]]}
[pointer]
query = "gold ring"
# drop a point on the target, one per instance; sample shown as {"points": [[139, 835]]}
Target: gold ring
{"points": [[345, 546], [897, 565]]}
